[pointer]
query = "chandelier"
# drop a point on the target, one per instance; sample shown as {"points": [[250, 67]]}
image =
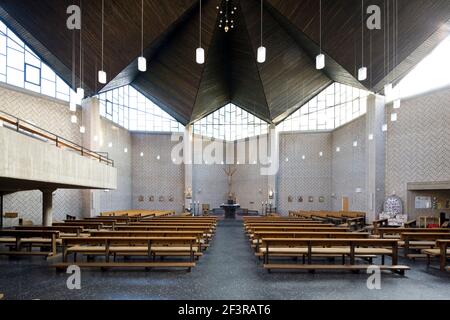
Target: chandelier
{"points": [[227, 10]]}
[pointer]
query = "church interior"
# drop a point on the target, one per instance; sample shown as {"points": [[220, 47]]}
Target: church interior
{"points": [[224, 149]]}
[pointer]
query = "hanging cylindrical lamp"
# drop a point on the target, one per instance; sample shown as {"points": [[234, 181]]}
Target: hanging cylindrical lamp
{"points": [[362, 72], [80, 90], [102, 78], [261, 55], [200, 52], [142, 62], [320, 59]]}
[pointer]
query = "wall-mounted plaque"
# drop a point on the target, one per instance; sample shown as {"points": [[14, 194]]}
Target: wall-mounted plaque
{"points": [[151, 198], [141, 198], [423, 202], [300, 199], [311, 199], [161, 198], [321, 199], [171, 199], [290, 199]]}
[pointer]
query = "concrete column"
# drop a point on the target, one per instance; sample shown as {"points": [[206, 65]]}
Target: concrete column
{"points": [[92, 140], [274, 157], [188, 167], [47, 207], [375, 155]]}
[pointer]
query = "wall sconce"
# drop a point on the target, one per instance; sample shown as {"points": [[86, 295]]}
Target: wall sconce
{"points": [[270, 194]]}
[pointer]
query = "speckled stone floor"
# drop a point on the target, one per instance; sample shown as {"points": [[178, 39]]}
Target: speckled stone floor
{"points": [[228, 270]]}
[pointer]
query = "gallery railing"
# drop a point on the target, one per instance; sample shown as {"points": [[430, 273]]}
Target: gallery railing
{"points": [[27, 128]]}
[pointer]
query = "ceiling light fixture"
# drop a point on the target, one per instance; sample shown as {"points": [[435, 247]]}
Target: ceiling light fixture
{"points": [[200, 53], [80, 90], [82, 129], [261, 56], [102, 74], [362, 72], [73, 119], [226, 11], [142, 62], [320, 59]]}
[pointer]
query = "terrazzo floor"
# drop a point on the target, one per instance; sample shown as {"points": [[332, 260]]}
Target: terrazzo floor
{"points": [[228, 270]]}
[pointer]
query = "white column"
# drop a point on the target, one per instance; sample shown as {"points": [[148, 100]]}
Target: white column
{"points": [[375, 155], [92, 140], [274, 152], [188, 167]]}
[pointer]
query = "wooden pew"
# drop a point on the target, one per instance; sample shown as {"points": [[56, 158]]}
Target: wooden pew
{"points": [[413, 240], [105, 246], [43, 238], [202, 240], [442, 252], [346, 247], [390, 232], [258, 236], [64, 231], [88, 225]]}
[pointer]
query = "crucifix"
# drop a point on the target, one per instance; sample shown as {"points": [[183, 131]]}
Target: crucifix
{"points": [[230, 170]]}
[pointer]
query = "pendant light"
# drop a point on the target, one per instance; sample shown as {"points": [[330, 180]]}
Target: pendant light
{"points": [[102, 74], [142, 62], [200, 52], [362, 72], [73, 119], [320, 59], [261, 56], [80, 90]]}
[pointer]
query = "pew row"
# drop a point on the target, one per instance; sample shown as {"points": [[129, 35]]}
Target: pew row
{"points": [[345, 247]]}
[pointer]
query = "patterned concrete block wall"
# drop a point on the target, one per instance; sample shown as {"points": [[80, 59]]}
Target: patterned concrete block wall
{"points": [[418, 143], [349, 165], [210, 184], [120, 138], [155, 177], [54, 116], [250, 186], [309, 177]]}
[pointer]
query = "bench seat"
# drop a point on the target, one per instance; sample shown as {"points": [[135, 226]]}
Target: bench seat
{"points": [[102, 249], [339, 251], [271, 266], [434, 252], [104, 265]]}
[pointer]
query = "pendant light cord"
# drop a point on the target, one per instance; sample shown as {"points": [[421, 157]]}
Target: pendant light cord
{"points": [[200, 26], [103, 22], [320, 26], [262, 23], [142, 28], [362, 32], [81, 52]]}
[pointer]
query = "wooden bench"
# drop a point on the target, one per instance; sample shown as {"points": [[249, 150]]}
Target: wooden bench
{"points": [[87, 225], [202, 240], [42, 238], [420, 240], [152, 246], [64, 231], [441, 251], [126, 265], [396, 232], [344, 247], [258, 236]]}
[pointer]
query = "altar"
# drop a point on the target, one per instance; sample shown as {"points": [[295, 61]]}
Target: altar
{"points": [[230, 210]]}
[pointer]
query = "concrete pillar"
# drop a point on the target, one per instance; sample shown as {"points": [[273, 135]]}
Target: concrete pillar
{"points": [[274, 158], [188, 167], [92, 140], [375, 155], [1, 210], [47, 207]]}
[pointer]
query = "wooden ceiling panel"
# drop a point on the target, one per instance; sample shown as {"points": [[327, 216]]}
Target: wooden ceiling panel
{"points": [[214, 90], [342, 36], [289, 76], [42, 24], [247, 89], [173, 77]]}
